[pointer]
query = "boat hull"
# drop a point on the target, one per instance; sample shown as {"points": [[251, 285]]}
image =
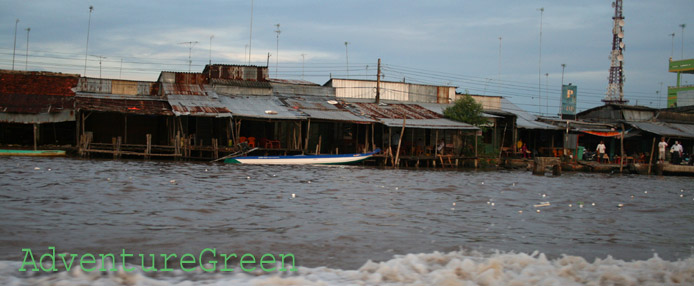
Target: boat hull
{"points": [[302, 159], [32, 153]]}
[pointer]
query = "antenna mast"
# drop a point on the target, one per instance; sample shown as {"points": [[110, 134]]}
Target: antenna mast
{"points": [[190, 50], [615, 87]]}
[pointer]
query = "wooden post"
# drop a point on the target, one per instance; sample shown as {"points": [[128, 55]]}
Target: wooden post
{"points": [[501, 146], [402, 134], [621, 143], [36, 129], [320, 138], [378, 83], [650, 161], [476, 158], [215, 146], [148, 150], [308, 133], [125, 134], [373, 146]]}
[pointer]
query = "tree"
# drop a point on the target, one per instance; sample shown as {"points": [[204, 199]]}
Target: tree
{"points": [[466, 110]]}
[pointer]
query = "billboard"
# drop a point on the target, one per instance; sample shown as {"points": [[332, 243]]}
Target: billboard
{"points": [[568, 99]]}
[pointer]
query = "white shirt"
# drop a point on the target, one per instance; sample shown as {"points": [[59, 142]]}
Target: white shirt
{"points": [[661, 146], [601, 148]]}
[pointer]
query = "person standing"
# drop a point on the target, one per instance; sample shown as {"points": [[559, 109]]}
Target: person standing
{"points": [[600, 150], [676, 151], [662, 146]]}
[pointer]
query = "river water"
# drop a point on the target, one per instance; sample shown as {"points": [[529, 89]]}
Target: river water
{"points": [[348, 225]]}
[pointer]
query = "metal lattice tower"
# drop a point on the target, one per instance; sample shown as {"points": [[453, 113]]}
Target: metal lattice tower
{"points": [[615, 87]]}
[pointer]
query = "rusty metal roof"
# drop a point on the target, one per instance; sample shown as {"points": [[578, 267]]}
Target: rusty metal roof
{"points": [[325, 108], [392, 115], [144, 105], [194, 100]]}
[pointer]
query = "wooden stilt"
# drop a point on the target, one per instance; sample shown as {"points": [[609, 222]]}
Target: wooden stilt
{"points": [[148, 150], [36, 129]]}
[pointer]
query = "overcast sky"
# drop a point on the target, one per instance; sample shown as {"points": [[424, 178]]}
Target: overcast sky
{"points": [[431, 42]]}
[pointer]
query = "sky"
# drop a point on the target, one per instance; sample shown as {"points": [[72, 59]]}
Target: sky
{"points": [[437, 42]]}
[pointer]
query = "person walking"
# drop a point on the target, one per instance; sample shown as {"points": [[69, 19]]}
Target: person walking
{"points": [[600, 150]]}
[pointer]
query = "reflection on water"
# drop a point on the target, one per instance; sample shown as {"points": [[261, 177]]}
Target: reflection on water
{"points": [[339, 216]]}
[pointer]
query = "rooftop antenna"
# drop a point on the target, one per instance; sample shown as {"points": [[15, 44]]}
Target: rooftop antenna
{"points": [[615, 86], [100, 58], [190, 50], [303, 59], [277, 52]]}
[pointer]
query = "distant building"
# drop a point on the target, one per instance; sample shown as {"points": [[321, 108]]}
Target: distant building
{"points": [[681, 95]]}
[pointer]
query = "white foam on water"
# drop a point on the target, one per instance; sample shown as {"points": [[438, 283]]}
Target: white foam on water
{"points": [[454, 268]]}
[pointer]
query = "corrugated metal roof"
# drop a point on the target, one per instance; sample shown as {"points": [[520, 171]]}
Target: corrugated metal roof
{"points": [[440, 123], [666, 129], [183, 89], [265, 107], [417, 116], [524, 119], [34, 104], [145, 105], [195, 105]]}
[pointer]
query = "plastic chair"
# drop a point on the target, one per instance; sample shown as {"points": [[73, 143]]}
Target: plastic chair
{"points": [[251, 142], [242, 139]]}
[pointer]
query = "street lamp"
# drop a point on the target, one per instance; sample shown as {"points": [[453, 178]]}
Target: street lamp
{"points": [[539, 68], [347, 57], [682, 26]]}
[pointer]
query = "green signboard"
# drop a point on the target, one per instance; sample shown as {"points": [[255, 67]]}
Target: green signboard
{"points": [[568, 99]]}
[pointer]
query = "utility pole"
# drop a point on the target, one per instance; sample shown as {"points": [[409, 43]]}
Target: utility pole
{"points": [[378, 83], [15, 41], [499, 72], [539, 68], [190, 51], [547, 93], [682, 26], [26, 57], [347, 57], [120, 72], [659, 93], [250, 36], [268, 60], [672, 52], [86, 50], [277, 52], [563, 66]]}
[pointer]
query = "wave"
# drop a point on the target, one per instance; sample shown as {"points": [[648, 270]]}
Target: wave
{"points": [[453, 268]]}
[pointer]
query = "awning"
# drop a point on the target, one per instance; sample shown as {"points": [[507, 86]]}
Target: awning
{"points": [[440, 123], [604, 133], [666, 129]]}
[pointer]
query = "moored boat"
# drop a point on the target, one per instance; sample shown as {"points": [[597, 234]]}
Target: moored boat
{"points": [[32, 153], [302, 159]]}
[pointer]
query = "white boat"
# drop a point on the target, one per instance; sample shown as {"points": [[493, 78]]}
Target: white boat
{"points": [[302, 159]]}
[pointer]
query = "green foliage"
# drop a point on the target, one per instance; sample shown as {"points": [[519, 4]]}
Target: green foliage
{"points": [[466, 110]]}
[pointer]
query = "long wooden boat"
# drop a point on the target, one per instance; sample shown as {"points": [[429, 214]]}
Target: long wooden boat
{"points": [[302, 159], [33, 153]]}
